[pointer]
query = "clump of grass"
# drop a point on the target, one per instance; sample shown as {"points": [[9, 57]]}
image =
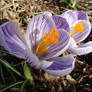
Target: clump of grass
{"points": [[24, 79], [70, 3]]}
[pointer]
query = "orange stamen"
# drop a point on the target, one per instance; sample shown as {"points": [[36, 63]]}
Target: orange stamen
{"points": [[49, 38], [54, 32], [78, 28]]}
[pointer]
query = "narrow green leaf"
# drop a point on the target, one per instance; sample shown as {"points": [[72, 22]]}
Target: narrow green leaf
{"points": [[74, 5], [4, 62], [23, 85], [10, 86], [66, 2], [11, 74], [2, 75], [28, 73]]}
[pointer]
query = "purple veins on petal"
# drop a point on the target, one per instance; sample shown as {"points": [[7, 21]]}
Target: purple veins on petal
{"points": [[82, 49], [61, 66], [70, 17], [60, 47], [61, 23], [12, 39], [32, 59], [41, 23], [80, 36], [81, 15]]}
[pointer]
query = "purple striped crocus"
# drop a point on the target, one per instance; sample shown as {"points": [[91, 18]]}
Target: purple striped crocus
{"points": [[41, 45], [80, 28]]}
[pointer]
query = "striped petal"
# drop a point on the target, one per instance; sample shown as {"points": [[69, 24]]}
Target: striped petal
{"points": [[59, 48], [61, 66], [61, 23], [12, 39], [35, 62], [80, 36], [32, 59], [70, 16], [38, 26], [81, 15], [82, 49]]}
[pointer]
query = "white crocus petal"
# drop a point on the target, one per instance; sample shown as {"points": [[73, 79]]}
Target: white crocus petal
{"points": [[70, 16], [32, 59], [86, 44], [81, 49], [2, 41], [45, 64], [81, 15], [61, 23], [59, 72], [38, 26], [72, 43], [59, 48], [63, 50], [35, 62], [48, 13], [61, 66], [80, 36], [12, 39]]}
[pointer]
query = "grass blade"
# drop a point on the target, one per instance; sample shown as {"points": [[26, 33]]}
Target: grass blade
{"points": [[23, 85], [4, 62], [2, 75], [11, 74], [10, 86]]}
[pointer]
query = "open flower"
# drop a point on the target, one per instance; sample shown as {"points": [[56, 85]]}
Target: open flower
{"points": [[80, 28], [41, 46]]}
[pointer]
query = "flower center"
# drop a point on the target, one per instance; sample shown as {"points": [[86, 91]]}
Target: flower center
{"points": [[78, 28], [49, 38]]}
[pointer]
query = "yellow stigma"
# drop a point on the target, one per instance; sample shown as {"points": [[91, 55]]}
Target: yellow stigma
{"points": [[78, 28], [49, 38]]}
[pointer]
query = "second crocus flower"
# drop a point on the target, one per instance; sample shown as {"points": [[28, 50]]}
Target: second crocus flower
{"points": [[80, 28]]}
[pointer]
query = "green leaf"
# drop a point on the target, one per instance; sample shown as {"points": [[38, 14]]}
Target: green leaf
{"points": [[10, 86], [27, 73], [4, 62], [74, 5], [23, 85], [2, 75], [11, 74], [72, 1], [33, 13]]}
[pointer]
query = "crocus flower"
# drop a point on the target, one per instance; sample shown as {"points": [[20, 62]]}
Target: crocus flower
{"points": [[41, 45], [80, 28]]}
